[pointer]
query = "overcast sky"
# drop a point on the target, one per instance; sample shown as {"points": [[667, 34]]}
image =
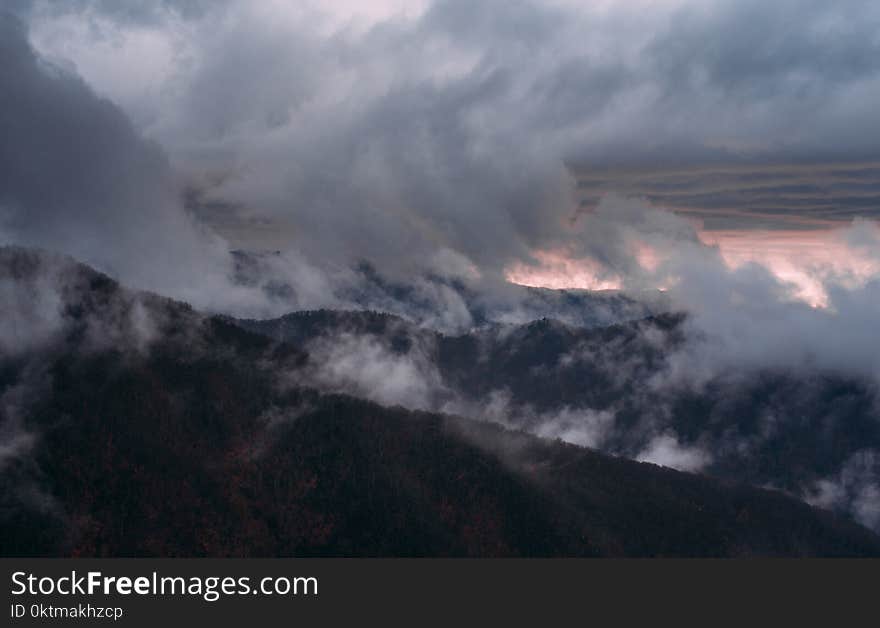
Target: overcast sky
{"points": [[487, 131]]}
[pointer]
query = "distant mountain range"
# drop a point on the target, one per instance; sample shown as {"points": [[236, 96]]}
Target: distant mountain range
{"points": [[814, 435], [133, 425], [449, 304]]}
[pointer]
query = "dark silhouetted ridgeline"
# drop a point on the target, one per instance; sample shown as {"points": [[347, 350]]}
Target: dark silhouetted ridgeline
{"points": [[194, 438]]}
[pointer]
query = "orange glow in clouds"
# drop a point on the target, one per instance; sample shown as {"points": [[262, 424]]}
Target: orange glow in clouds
{"points": [[802, 258], [560, 272]]}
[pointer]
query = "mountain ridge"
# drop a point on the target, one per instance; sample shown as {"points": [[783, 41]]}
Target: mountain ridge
{"points": [[202, 440]]}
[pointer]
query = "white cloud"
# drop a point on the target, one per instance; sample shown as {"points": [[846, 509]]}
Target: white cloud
{"points": [[665, 450]]}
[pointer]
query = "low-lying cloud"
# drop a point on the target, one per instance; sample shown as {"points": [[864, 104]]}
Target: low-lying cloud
{"points": [[407, 162]]}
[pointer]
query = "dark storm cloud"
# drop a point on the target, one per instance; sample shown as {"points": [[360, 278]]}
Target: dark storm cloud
{"points": [[458, 130], [63, 146], [756, 51], [781, 81], [76, 177], [453, 129]]}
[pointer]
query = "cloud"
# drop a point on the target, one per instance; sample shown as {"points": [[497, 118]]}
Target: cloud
{"points": [[666, 451], [31, 315], [15, 440], [47, 299], [451, 127], [50, 301], [855, 489], [759, 196], [402, 136], [583, 426], [362, 366], [442, 145], [79, 178], [744, 316], [76, 177]]}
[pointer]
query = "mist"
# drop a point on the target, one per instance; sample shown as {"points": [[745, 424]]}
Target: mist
{"points": [[256, 159]]}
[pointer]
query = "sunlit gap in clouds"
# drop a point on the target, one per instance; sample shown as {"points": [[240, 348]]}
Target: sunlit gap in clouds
{"points": [[558, 271], [805, 259], [797, 220]]}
